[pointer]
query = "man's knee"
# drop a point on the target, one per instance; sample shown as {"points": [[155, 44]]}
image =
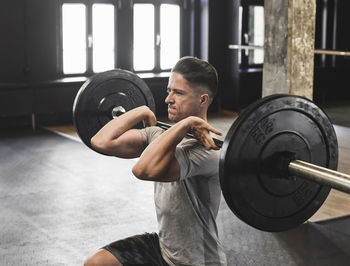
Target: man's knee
{"points": [[102, 258], [93, 261]]}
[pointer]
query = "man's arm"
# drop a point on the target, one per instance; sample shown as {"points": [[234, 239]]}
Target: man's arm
{"points": [[117, 138], [158, 162]]}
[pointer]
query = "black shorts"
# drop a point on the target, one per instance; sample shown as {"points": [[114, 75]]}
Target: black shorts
{"points": [[138, 250]]}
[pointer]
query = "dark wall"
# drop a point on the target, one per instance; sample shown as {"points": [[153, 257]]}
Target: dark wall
{"points": [[42, 33], [217, 46], [28, 74], [12, 32], [218, 28], [332, 72], [30, 81], [29, 48], [242, 86]]}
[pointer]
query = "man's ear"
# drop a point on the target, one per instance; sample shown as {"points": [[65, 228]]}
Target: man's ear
{"points": [[204, 98]]}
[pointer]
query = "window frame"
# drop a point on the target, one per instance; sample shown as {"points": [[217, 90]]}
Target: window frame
{"points": [[89, 50], [123, 26], [157, 4]]}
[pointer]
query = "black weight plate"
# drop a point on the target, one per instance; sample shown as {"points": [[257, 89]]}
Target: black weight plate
{"points": [[253, 187], [95, 100]]}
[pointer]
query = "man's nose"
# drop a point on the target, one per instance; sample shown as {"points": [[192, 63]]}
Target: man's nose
{"points": [[169, 99]]}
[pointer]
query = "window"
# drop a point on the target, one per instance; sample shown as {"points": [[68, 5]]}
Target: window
{"points": [[88, 36], [74, 38], [102, 37], [251, 30], [256, 34], [150, 33], [156, 36], [144, 49], [169, 35]]}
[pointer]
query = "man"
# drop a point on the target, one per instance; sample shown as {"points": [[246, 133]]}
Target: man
{"points": [[185, 171]]}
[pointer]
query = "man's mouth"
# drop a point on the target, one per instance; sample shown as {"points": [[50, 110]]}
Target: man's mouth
{"points": [[170, 108]]}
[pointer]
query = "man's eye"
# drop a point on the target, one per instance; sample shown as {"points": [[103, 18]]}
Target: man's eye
{"points": [[174, 91]]}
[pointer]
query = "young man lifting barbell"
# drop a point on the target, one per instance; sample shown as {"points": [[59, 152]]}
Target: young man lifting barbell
{"points": [[186, 189]]}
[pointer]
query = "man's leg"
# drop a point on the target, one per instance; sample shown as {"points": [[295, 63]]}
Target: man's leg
{"points": [[102, 258], [135, 250]]}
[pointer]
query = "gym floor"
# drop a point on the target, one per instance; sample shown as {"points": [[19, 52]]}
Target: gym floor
{"points": [[60, 202]]}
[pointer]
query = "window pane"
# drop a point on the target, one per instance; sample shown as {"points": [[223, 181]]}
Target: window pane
{"points": [[256, 33], [74, 38], [170, 35], [103, 37], [143, 37]]}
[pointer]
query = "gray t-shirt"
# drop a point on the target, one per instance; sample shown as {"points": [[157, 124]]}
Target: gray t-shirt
{"points": [[187, 209]]}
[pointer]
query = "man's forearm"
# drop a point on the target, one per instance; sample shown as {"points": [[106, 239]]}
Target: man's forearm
{"points": [[119, 125]]}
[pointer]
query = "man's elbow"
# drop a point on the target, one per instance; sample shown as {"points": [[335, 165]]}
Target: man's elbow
{"points": [[139, 172], [143, 174], [98, 144]]}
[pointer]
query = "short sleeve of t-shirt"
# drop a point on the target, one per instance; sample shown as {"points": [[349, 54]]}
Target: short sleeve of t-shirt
{"points": [[149, 134], [193, 158], [196, 160]]}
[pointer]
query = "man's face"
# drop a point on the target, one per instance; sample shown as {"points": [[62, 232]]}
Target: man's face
{"points": [[182, 100]]}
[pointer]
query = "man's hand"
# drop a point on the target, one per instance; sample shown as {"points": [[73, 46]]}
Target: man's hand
{"points": [[150, 119], [201, 130]]}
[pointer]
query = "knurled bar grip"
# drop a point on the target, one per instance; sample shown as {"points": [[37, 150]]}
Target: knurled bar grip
{"points": [[166, 126]]}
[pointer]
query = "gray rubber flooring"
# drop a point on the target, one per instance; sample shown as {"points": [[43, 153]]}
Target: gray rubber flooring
{"points": [[339, 113], [60, 202]]}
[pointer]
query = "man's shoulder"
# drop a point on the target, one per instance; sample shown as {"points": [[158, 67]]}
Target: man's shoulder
{"points": [[151, 133], [196, 146], [153, 129], [190, 151]]}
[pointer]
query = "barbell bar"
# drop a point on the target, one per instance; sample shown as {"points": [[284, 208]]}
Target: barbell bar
{"points": [[316, 51], [277, 162]]}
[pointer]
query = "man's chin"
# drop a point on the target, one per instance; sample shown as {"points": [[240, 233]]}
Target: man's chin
{"points": [[173, 118]]}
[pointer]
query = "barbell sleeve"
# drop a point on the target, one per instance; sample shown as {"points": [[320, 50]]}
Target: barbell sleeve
{"points": [[320, 175]]}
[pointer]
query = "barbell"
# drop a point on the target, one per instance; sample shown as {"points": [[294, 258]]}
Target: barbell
{"points": [[278, 161]]}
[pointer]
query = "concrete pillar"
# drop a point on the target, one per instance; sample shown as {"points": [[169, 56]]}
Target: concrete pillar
{"points": [[289, 47]]}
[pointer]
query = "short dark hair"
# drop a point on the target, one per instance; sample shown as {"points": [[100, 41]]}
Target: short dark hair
{"points": [[198, 73]]}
